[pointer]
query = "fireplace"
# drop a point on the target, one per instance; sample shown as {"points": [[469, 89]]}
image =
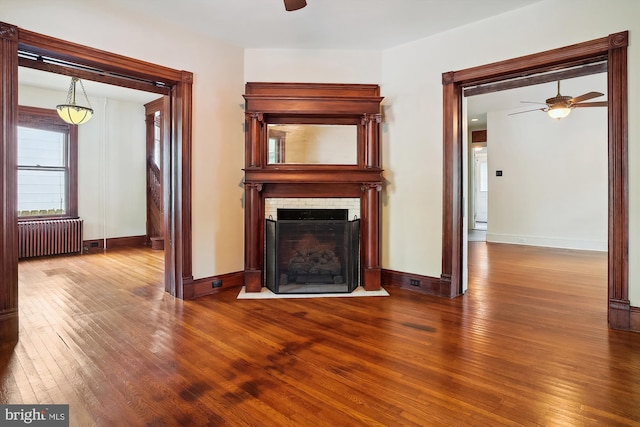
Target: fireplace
{"points": [[312, 251], [306, 141]]}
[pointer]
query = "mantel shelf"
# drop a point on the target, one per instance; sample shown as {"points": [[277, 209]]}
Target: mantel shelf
{"points": [[373, 175]]}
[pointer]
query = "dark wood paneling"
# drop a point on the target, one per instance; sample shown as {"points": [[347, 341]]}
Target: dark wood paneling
{"points": [[613, 49]]}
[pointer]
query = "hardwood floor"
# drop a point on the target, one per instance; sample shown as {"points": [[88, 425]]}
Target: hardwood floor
{"points": [[528, 344]]}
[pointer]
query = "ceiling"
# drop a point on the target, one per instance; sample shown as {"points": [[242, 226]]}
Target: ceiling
{"points": [[322, 24]]}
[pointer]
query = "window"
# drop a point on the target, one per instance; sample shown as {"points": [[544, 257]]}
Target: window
{"points": [[47, 165], [275, 147]]}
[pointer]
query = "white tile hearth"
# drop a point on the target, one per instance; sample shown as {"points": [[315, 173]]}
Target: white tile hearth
{"points": [[267, 294]]}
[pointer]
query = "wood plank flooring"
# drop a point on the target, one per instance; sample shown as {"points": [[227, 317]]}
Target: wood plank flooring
{"points": [[528, 344]]}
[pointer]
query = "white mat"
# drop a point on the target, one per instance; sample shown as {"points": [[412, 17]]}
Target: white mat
{"points": [[267, 294]]}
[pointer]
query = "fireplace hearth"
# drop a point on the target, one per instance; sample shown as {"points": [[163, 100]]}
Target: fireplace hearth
{"points": [[312, 251]]}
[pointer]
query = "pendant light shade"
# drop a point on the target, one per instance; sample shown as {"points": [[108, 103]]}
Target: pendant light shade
{"points": [[71, 112]]}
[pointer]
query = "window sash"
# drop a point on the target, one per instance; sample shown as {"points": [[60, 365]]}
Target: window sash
{"points": [[47, 176]]}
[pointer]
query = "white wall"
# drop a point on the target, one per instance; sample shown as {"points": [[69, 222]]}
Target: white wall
{"points": [[111, 164], [553, 191], [218, 116], [412, 142], [312, 66]]}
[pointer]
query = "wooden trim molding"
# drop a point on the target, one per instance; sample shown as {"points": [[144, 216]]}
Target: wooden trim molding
{"points": [[612, 49], [98, 245], [8, 189], [415, 282], [213, 285], [634, 319], [178, 259]]}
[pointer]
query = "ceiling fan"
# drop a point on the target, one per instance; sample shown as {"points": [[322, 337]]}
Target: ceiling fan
{"points": [[560, 106], [291, 5]]}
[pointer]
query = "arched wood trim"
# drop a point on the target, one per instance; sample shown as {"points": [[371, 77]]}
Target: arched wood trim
{"points": [[613, 49], [120, 69]]}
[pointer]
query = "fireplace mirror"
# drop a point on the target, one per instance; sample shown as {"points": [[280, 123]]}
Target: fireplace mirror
{"points": [[327, 144]]}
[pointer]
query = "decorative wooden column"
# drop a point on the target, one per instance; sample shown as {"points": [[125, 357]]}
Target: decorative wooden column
{"points": [[372, 129], [619, 305], [253, 141], [254, 216], [370, 236], [8, 208], [370, 207]]}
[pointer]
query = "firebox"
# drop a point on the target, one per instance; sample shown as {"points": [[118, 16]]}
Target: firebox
{"points": [[312, 251]]}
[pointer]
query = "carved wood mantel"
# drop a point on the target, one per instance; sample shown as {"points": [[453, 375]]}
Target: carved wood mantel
{"points": [[317, 103]]}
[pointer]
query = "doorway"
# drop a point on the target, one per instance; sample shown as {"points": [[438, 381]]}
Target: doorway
{"points": [[613, 49], [33, 50], [156, 128], [480, 179]]}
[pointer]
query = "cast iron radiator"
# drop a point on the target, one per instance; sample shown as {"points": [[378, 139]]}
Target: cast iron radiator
{"points": [[49, 237]]}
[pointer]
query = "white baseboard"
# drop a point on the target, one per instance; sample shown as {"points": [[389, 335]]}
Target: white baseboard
{"points": [[549, 242]]}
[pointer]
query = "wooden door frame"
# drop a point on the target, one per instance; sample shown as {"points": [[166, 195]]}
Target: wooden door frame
{"points": [[612, 49], [113, 69]]}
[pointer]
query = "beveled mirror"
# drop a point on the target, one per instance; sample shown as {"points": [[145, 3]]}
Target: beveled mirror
{"points": [[298, 143]]}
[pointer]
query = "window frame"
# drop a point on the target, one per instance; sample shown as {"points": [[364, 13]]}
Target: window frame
{"points": [[48, 119]]}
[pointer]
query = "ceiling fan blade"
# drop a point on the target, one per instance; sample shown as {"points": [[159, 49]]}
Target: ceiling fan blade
{"points": [[291, 5], [527, 111], [533, 102], [586, 96], [591, 104]]}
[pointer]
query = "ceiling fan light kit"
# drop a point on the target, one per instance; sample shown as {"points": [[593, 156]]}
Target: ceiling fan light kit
{"points": [[558, 111], [560, 106]]}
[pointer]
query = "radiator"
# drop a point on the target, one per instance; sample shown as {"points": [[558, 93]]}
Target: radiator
{"points": [[49, 237]]}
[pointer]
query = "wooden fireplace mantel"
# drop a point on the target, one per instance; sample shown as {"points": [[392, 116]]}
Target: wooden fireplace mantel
{"points": [[312, 103]]}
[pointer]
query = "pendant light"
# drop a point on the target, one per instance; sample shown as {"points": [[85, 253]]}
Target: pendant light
{"points": [[71, 112]]}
